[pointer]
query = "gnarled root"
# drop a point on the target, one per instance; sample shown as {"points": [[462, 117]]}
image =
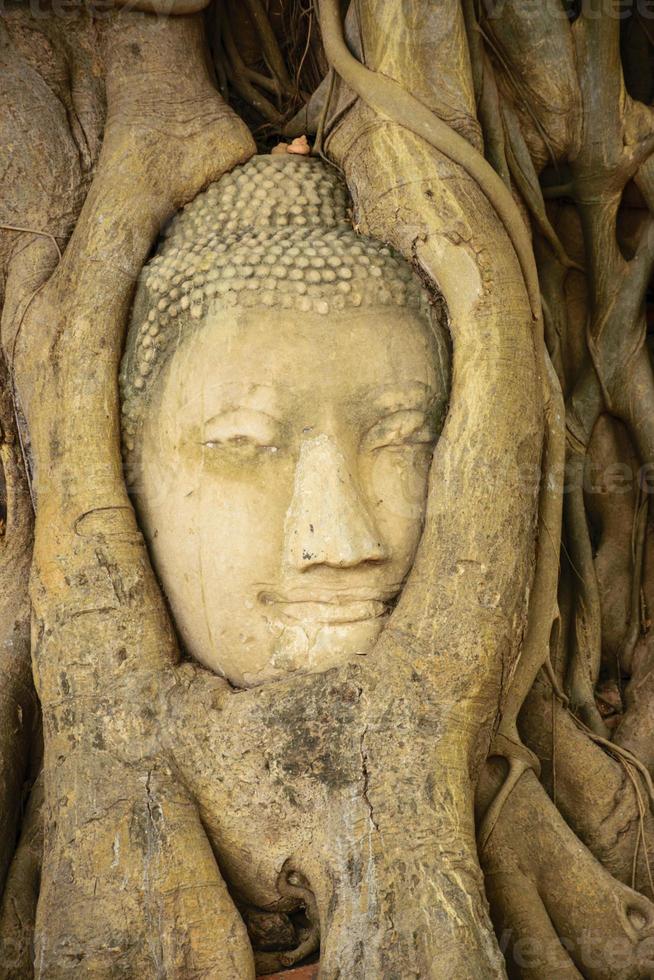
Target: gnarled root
{"points": [[594, 791], [129, 884], [556, 910], [635, 729]]}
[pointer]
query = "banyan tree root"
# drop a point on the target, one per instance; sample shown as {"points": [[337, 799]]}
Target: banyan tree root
{"points": [[390, 100], [634, 732], [556, 910], [116, 823], [602, 797], [543, 610]]}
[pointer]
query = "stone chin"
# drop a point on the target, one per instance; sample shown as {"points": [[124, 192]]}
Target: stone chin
{"points": [[311, 647]]}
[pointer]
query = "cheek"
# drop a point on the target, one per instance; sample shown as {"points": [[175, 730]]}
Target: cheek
{"points": [[240, 530], [215, 546], [168, 512], [397, 485], [236, 522]]}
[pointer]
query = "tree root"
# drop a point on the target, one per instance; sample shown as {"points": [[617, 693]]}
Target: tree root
{"points": [[524, 174], [635, 730], [556, 909], [390, 100], [127, 865], [239, 77], [593, 791], [543, 610], [269, 46]]}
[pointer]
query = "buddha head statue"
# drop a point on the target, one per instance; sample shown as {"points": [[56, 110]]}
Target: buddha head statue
{"points": [[283, 386]]}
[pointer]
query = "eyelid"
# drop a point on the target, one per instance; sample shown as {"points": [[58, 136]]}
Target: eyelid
{"points": [[241, 422], [401, 424]]}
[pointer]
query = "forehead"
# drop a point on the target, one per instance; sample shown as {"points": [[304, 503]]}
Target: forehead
{"points": [[310, 353]]}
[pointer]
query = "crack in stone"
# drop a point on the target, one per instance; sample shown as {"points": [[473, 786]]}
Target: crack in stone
{"points": [[154, 938], [364, 769]]}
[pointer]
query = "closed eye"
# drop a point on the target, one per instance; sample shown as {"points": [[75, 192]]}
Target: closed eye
{"points": [[408, 427], [241, 428]]}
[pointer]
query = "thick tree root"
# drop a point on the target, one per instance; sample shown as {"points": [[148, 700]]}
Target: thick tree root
{"points": [[390, 100], [129, 882], [635, 730]]}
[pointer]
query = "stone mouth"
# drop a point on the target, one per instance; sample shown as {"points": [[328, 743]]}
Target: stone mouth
{"points": [[336, 608], [332, 613]]}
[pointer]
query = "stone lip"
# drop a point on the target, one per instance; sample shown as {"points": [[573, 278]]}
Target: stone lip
{"points": [[298, 973]]}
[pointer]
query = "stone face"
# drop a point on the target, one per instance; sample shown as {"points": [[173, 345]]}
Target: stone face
{"points": [[282, 450], [282, 484]]}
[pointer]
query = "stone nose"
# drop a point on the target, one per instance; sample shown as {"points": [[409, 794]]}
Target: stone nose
{"points": [[328, 521]]}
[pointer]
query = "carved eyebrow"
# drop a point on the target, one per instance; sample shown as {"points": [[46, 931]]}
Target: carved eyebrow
{"points": [[237, 396], [233, 408], [413, 394]]}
